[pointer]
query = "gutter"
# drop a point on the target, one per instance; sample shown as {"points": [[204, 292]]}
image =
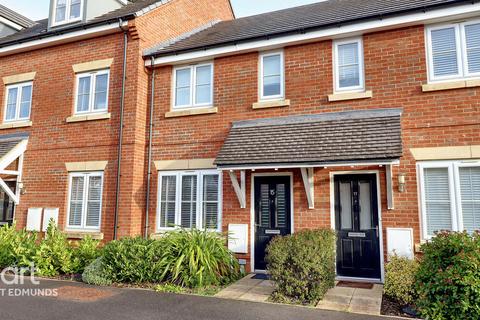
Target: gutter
{"points": [[149, 157], [120, 129]]}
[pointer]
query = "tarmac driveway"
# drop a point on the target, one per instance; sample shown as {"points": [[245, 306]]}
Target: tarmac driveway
{"points": [[53, 300]]}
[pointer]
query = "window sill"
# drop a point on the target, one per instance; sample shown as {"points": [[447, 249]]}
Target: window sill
{"points": [[88, 117], [16, 124], [350, 96], [451, 85], [271, 104], [191, 112], [84, 234]]}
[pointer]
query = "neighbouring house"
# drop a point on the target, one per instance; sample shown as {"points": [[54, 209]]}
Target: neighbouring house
{"points": [[11, 22], [74, 114], [362, 116]]}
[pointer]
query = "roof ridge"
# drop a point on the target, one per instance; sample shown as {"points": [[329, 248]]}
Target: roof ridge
{"points": [[16, 17], [329, 116]]}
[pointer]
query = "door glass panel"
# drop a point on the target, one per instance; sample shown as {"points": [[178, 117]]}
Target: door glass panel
{"points": [[365, 205], [264, 206], [281, 207], [345, 206]]}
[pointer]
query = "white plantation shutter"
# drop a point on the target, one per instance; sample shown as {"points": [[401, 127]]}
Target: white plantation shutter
{"points": [[210, 201], [76, 201], [168, 201], [437, 200], [188, 207], [472, 39], [94, 201], [469, 178], [444, 53]]}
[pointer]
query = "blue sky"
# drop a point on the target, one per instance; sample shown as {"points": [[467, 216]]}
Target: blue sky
{"points": [[38, 9]]}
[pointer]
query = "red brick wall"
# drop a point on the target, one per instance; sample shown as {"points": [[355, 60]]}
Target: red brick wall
{"points": [[53, 142], [395, 69]]}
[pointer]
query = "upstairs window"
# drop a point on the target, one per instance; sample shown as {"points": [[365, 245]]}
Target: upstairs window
{"points": [[271, 76], [18, 102], [193, 86], [190, 199], [450, 194], [67, 11], [92, 92], [454, 51], [348, 64], [85, 202]]}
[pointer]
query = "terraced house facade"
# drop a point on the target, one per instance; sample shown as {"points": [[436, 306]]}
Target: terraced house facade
{"points": [[362, 116]]}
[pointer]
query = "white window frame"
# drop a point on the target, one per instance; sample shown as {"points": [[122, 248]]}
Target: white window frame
{"points": [[93, 79], [86, 176], [361, 65], [178, 199], [19, 87], [462, 60], [454, 190], [67, 13], [193, 86], [261, 76]]}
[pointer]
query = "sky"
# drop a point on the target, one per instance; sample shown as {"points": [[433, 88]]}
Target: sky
{"points": [[38, 9]]}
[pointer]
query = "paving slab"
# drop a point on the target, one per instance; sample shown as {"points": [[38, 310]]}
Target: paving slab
{"points": [[248, 289]]}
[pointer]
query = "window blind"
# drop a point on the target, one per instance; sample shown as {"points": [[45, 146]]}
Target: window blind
{"points": [[437, 200], [472, 38], [469, 178], [444, 52]]}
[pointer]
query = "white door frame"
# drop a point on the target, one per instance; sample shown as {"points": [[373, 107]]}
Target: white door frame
{"points": [[380, 227], [252, 210]]}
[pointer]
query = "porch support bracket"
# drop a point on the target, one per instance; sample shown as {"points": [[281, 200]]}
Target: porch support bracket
{"points": [[308, 182], [240, 189], [16, 153], [389, 176]]}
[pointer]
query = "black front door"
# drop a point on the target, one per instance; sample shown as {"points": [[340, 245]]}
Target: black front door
{"points": [[272, 213], [7, 206], [356, 221]]}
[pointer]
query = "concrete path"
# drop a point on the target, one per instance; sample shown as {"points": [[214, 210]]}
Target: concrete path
{"points": [[77, 301], [248, 289], [366, 301]]}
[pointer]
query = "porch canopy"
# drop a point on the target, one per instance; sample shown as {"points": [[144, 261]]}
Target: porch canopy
{"points": [[369, 137], [12, 148]]}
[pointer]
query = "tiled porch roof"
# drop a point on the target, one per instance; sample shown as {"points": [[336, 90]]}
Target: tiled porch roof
{"points": [[368, 135], [8, 142]]}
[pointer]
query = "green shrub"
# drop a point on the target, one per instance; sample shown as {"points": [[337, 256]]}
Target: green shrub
{"points": [[448, 279], [95, 274], [17, 247], [54, 254], [302, 266], [194, 258], [400, 279], [133, 260], [86, 252]]}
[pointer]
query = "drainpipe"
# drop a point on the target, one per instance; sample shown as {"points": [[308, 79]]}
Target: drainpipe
{"points": [[150, 134], [120, 131]]}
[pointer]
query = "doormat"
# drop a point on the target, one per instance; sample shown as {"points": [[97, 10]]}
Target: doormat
{"points": [[261, 276], [357, 285]]}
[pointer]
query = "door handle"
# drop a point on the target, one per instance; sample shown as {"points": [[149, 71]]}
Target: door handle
{"points": [[376, 230]]}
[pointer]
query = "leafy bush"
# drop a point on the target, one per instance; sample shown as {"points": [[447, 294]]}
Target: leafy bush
{"points": [[86, 252], [400, 279], [448, 279], [54, 254], [302, 266], [17, 247], [197, 258], [95, 274], [133, 260]]}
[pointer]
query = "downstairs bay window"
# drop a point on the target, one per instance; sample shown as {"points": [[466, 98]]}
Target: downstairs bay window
{"points": [[189, 199], [85, 201], [450, 196]]}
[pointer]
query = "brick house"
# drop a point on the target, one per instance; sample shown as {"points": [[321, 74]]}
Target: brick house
{"points": [[75, 92], [361, 116]]}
